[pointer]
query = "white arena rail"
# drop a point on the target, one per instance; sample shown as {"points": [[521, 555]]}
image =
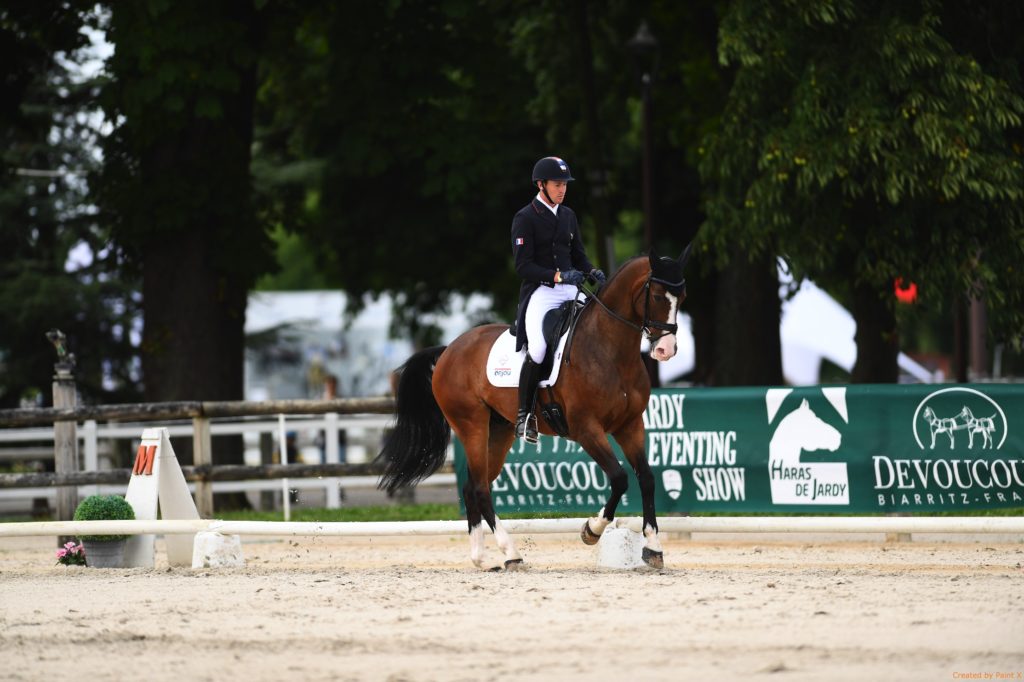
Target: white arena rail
{"points": [[731, 524]]}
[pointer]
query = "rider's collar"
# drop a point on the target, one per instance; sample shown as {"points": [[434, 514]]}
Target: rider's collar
{"points": [[553, 209]]}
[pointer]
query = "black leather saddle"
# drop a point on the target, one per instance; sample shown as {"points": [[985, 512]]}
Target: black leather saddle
{"points": [[556, 322]]}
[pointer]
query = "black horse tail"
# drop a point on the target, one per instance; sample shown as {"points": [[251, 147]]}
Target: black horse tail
{"points": [[416, 446]]}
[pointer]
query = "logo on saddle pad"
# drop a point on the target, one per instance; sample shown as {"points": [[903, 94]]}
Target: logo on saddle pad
{"points": [[503, 367], [959, 416], [794, 481], [504, 363]]}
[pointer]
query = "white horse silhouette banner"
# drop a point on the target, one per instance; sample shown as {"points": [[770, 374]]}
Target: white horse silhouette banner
{"points": [[858, 448], [793, 480]]}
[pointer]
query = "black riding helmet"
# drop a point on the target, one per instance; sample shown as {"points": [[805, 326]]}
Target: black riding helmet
{"points": [[551, 168]]}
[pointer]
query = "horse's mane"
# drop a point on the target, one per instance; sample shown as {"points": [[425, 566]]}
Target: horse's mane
{"points": [[620, 270]]}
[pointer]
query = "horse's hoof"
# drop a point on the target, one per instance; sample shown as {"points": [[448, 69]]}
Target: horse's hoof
{"points": [[653, 558], [494, 569], [588, 536], [514, 565]]}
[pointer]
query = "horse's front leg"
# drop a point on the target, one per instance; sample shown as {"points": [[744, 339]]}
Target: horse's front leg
{"points": [[595, 443], [631, 439]]}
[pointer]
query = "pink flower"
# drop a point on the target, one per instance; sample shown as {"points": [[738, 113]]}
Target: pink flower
{"points": [[71, 554]]}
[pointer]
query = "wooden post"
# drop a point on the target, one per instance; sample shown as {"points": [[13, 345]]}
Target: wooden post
{"points": [[202, 453], [266, 497], [332, 455], [65, 443], [90, 456]]}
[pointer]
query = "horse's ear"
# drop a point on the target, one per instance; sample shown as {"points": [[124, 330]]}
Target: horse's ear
{"points": [[652, 257], [685, 255]]}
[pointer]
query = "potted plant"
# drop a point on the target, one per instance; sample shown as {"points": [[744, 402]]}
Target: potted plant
{"points": [[104, 551]]}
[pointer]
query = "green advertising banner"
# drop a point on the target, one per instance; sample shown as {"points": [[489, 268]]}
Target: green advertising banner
{"points": [[856, 449]]}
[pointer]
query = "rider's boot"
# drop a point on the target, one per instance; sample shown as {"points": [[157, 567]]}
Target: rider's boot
{"points": [[526, 421]]}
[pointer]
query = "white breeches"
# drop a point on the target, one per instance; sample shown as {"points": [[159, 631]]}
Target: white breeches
{"points": [[541, 301]]}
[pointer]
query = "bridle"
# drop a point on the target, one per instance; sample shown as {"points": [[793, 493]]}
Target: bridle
{"points": [[648, 324]]}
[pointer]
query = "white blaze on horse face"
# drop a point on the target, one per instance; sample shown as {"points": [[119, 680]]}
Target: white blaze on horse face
{"points": [[666, 347]]}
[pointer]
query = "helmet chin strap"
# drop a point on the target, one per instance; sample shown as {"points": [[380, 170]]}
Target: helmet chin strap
{"points": [[544, 189]]}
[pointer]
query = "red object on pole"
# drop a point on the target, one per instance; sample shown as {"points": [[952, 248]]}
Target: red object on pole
{"points": [[905, 293]]}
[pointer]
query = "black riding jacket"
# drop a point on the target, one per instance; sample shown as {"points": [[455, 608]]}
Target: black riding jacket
{"points": [[542, 244]]}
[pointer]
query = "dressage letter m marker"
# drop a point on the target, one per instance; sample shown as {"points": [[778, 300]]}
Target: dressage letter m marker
{"points": [[144, 460]]}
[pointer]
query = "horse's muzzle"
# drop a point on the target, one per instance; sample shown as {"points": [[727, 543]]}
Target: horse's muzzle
{"points": [[665, 349]]}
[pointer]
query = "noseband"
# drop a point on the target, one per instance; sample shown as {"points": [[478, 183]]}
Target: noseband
{"points": [[648, 324]]}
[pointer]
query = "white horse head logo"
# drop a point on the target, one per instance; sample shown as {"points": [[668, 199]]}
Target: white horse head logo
{"points": [[798, 431], [801, 430]]}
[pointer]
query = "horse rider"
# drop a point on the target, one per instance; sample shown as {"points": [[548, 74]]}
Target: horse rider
{"points": [[551, 260]]}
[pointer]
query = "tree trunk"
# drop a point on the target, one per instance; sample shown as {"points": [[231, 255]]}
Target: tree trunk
{"points": [[596, 175], [198, 239], [876, 337], [960, 345], [193, 339], [701, 303], [748, 351]]}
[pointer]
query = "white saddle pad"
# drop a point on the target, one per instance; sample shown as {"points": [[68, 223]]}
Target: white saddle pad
{"points": [[504, 363]]}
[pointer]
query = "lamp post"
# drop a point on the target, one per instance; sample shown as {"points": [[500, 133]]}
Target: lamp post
{"points": [[644, 47]]}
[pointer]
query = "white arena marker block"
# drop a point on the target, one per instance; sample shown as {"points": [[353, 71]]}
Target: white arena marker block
{"points": [[157, 486], [214, 550], [620, 548]]}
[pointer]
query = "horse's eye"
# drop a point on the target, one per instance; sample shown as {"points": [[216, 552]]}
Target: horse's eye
{"points": [[659, 298]]}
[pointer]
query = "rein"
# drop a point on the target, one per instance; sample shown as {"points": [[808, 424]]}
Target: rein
{"points": [[648, 324]]}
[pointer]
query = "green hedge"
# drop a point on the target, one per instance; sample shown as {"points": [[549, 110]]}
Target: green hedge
{"points": [[104, 508]]}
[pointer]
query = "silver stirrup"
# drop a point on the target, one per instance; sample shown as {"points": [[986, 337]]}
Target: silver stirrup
{"points": [[530, 435]]}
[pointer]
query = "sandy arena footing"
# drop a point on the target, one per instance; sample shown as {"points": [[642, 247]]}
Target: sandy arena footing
{"points": [[725, 607]]}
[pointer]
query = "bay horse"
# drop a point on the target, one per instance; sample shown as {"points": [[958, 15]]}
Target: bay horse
{"points": [[604, 389]]}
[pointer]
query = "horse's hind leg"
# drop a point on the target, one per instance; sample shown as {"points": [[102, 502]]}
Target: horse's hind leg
{"points": [[502, 435], [472, 431], [486, 449], [473, 517]]}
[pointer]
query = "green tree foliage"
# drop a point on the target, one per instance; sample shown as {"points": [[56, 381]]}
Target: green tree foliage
{"points": [[398, 132], [863, 143], [416, 196], [585, 89], [176, 185], [45, 217]]}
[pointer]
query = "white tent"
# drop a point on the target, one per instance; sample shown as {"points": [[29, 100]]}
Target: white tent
{"points": [[359, 350], [814, 327], [315, 332]]}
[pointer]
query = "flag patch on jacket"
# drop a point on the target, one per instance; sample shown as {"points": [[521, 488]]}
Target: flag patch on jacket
{"points": [[519, 241]]}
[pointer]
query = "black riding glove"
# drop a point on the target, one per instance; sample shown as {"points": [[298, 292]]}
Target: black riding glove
{"points": [[572, 277], [597, 277]]}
